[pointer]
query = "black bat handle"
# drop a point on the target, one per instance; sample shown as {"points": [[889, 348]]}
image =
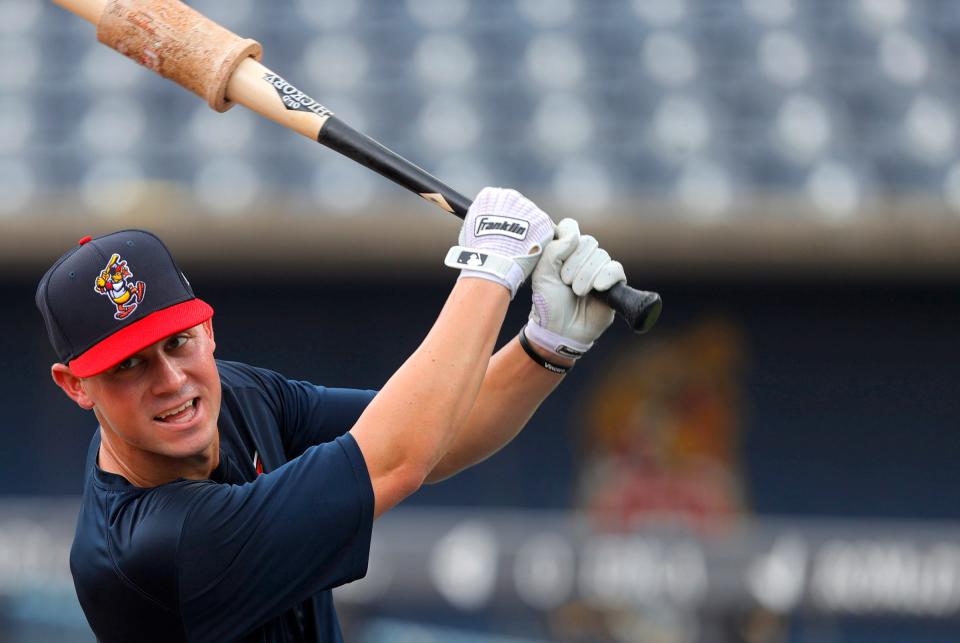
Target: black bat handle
{"points": [[639, 308]]}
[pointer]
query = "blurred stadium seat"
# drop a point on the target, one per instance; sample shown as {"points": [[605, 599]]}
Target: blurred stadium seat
{"points": [[764, 91]]}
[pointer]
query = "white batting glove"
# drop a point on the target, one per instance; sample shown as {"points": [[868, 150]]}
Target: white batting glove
{"points": [[564, 319], [501, 239]]}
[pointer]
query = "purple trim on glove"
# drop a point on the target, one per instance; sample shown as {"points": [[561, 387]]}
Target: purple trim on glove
{"points": [[554, 343]]}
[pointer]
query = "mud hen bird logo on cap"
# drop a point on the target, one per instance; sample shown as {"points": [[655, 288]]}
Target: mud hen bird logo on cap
{"points": [[115, 281]]}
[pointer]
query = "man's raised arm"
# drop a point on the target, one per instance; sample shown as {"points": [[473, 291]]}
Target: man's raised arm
{"points": [[409, 426]]}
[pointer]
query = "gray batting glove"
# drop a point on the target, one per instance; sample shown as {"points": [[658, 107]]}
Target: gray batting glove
{"points": [[501, 239], [564, 319]]}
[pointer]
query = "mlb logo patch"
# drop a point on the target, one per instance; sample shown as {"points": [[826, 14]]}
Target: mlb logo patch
{"points": [[471, 259]]}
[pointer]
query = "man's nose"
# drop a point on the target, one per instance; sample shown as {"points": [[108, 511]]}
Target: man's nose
{"points": [[168, 376]]}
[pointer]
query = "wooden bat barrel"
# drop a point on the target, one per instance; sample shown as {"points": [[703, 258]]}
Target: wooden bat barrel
{"points": [[173, 40]]}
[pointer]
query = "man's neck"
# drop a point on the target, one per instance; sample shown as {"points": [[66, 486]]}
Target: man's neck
{"points": [[144, 469]]}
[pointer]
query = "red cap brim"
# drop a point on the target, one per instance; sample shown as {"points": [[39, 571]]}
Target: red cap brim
{"points": [[138, 335]]}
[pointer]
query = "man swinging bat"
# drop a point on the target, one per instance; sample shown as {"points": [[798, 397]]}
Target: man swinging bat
{"points": [[222, 501]]}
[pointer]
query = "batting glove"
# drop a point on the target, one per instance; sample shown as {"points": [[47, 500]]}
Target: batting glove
{"points": [[501, 239], [564, 319]]}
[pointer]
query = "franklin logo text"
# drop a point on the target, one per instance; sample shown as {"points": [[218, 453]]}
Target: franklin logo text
{"points": [[505, 226]]}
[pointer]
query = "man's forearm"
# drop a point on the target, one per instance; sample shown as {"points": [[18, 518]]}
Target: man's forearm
{"points": [[511, 392], [412, 421]]}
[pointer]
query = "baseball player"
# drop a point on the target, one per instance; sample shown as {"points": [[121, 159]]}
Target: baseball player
{"points": [[221, 501]]}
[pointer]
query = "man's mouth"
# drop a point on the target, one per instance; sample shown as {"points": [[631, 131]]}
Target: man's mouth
{"points": [[181, 414]]}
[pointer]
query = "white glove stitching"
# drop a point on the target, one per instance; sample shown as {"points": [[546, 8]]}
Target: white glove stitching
{"points": [[563, 314]]}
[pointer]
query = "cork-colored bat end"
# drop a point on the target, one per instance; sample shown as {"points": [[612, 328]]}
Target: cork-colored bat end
{"points": [[244, 48], [178, 43]]}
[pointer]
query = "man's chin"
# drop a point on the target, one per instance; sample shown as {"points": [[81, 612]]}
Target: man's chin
{"points": [[196, 443]]}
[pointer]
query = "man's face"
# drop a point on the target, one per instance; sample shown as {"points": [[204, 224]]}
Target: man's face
{"points": [[165, 399]]}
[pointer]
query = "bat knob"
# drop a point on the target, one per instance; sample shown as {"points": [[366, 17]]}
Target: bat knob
{"points": [[639, 308]]}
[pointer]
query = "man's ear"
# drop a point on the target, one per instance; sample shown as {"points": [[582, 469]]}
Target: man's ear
{"points": [[208, 329], [71, 385]]}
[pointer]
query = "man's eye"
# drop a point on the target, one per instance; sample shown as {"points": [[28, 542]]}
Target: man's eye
{"points": [[177, 342], [128, 363]]}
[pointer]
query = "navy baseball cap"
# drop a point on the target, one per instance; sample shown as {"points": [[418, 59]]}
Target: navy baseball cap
{"points": [[110, 297]]}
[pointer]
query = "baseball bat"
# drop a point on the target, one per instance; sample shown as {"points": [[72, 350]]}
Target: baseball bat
{"points": [[186, 47]]}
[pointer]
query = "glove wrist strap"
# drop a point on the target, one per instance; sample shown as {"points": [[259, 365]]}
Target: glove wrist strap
{"points": [[559, 369], [555, 343], [504, 270]]}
